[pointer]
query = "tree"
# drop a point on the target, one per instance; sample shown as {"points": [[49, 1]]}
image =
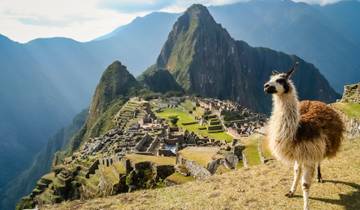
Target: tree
{"points": [[174, 120]]}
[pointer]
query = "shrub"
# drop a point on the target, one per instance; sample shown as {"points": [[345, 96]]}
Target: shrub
{"points": [[174, 120]]}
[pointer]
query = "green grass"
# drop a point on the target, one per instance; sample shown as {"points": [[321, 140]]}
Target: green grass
{"points": [[179, 178], [159, 160], [187, 118], [350, 109], [46, 196], [251, 150], [201, 155], [109, 175], [188, 105], [120, 167], [240, 164]]}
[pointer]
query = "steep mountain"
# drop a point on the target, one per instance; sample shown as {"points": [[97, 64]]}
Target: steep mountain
{"points": [[159, 80], [25, 182], [116, 81], [32, 108], [115, 86], [135, 44], [345, 16], [204, 59], [315, 33]]}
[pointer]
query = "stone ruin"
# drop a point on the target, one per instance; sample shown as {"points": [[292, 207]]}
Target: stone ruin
{"points": [[351, 93], [247, 122], [227, 156]]}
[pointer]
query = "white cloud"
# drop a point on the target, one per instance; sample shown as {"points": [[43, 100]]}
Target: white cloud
{"points": [[81, 19], [84, 19], [321, 2]]}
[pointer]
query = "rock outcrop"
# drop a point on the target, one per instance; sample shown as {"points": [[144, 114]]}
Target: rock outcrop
{"points": [[351, 93]]}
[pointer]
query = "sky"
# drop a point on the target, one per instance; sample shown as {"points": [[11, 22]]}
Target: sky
{"points": [[84, 20]]}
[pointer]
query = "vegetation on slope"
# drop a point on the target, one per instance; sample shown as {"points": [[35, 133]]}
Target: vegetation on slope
{"points": [[151, 77], [352, 110]]}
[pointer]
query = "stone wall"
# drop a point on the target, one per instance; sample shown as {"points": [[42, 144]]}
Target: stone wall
{"points": [[195, 169], [352, 126], [351, 93]]}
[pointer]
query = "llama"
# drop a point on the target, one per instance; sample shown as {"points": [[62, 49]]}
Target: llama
{"points": [[303, 133]]}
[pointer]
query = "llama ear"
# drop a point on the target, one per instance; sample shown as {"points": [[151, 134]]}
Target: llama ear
{"points": [[292, 70], [274, 72]]}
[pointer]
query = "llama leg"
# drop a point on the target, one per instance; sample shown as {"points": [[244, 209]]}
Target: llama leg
{"points": [[297, 172], [308, 173], [319, 177]]}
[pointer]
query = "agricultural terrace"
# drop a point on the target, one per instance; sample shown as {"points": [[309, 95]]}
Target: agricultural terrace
{"points": [[186, 114]]}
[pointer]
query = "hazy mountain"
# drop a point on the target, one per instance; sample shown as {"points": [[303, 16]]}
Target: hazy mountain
{"points": [[31, 108], [25, 182], [345, 15], [301, 29], [205, 60]]}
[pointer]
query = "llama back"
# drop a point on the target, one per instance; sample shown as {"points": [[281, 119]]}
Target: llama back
{"points": [[317, 118]]}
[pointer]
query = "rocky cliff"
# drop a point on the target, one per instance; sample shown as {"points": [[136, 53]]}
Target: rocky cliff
{"points": [[204, 59]]}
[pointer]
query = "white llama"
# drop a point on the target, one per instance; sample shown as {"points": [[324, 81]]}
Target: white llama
{"points": [[303, 133]]}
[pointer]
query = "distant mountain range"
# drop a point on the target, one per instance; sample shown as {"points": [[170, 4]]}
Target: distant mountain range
{"points": [[45, 82]]}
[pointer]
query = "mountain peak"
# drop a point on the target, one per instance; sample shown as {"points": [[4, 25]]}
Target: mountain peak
{"points": [[197, 9], [199, 13], [115, 82]]}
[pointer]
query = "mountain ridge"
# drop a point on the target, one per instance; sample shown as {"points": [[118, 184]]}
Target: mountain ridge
{"points": [[204, 59]]}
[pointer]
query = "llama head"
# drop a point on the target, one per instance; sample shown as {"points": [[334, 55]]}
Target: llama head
{"points": [[280, 83]]}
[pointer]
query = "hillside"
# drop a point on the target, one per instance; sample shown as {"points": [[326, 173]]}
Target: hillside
{"points": [[259, 187], [204, 59]]}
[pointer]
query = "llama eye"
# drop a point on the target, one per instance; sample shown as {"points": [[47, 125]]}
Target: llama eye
{"points": [[280, 81]]}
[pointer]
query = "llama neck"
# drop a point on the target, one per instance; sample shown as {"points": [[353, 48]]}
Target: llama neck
{"points": [[284, 120]]}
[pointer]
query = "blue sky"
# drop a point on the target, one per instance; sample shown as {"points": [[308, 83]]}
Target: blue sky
{"points": [[84, 20]]}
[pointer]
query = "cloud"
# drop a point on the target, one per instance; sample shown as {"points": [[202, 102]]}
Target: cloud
{"points": [[50, 22], [131, 6], [321, 2], [82, 20], [85, 19]]}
